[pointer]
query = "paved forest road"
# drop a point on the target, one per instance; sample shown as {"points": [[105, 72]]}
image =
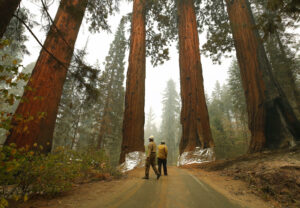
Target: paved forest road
{"points": [[178, 190]]}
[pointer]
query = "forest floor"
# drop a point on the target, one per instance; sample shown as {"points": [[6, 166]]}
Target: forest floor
{"points": [[273, 176], [268, 179]]}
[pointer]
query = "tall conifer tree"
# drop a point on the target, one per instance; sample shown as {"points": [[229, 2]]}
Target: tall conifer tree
{"points": [[34, 119], [170, 119], [113, 92], [269, 112], [134, 119], [149, 126], [194, 115]]}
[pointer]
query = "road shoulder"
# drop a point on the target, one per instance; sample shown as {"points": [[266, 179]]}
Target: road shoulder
{"points": [[234, 190]]}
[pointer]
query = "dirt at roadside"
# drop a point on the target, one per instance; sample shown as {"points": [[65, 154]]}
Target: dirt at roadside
{"points": [[273, 176], [93, 194]]}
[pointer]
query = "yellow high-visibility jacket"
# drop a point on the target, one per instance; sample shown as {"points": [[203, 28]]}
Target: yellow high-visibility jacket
{"points": [[162, 151]]}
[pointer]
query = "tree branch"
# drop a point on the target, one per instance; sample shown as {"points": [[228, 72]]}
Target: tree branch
{"points": [[47, 51]]}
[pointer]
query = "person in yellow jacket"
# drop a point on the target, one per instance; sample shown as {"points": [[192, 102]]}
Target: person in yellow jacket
{"points": [[151, 157], [162, 157]]}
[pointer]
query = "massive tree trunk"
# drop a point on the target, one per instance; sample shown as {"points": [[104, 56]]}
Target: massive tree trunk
{"points": [[134, 118], [270, 117], [7, 10], [194, 114], [34, 119]]}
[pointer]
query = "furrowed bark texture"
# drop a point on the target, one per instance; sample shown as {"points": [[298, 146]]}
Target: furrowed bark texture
{"points": [[194, 115], [133, 122], [7, 10], [35, 116], [270, 117]]}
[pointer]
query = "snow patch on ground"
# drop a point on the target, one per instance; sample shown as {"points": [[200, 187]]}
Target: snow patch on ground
{"points": [[197, 156], [133, 160]]}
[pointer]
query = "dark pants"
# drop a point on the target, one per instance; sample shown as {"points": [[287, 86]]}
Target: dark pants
{"points": [[151, 161], [164, 163]]}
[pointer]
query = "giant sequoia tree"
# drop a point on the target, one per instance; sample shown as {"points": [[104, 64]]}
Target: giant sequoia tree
{"points": [[133, 122], [7, 10], [194, 115], [34, 119], [269, 112]]}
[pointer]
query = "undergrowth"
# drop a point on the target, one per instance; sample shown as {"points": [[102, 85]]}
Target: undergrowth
{"points": [[24, 173]]}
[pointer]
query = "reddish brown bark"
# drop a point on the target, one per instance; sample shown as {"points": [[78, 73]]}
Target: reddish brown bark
{"points": [[7, 10], [269, 113], [43, 91], [133, 122], [194, 115]]}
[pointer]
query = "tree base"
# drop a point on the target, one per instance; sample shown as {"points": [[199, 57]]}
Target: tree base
{"points": [[197, 156], [133, 160]]}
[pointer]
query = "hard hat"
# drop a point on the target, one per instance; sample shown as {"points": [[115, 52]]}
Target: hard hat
{"points": [[151, 137]]}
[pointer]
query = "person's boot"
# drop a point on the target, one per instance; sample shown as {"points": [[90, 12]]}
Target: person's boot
{"points": [[145, 177], [157, 176]]}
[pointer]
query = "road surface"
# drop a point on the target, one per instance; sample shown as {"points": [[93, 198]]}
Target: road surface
{"points": [[179, 189]]}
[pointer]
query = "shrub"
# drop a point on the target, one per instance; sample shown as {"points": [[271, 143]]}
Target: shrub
{"points": [[24, 172]]}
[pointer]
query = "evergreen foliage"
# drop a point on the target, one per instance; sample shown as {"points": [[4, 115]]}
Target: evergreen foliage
{"points": [[78, 105], [228, 116], [98, 13], [160, 29], [110, 135], [91, 108], [170, 127], [150, 127]]}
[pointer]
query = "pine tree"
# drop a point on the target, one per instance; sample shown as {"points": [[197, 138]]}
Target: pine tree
{"points": [[238, 102], [237, 93], [150, 125], [170, 120], [112, 114], [79, 106], [229, 136], [68, 114]]}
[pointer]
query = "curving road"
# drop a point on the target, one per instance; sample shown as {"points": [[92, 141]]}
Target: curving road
{"points": [[178, 190]]}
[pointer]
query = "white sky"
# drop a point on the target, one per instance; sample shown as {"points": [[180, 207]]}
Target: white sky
{"points": [[156, 78]]}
